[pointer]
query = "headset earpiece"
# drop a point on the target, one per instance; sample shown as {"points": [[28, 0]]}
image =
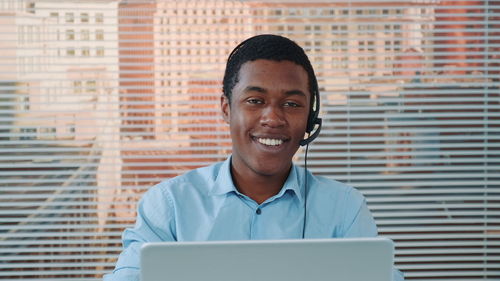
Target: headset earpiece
{"points": [[312, 120]]}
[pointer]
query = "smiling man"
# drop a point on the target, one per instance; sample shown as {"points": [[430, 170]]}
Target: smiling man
{"points": [[271, 102]]}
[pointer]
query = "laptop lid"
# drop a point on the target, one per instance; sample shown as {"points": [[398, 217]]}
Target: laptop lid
{"points": [[345, 259]]}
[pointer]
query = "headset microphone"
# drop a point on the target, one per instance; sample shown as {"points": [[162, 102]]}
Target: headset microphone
{"points": [[317, 123]]}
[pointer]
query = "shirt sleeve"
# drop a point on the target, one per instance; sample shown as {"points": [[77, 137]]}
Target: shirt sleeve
{"points": [[154, 223], [360, 223]]}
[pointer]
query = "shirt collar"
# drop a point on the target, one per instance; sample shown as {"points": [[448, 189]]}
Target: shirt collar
{"points": [[224, 182]]}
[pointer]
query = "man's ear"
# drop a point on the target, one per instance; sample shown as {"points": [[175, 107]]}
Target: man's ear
{"points": [[225, 108]]}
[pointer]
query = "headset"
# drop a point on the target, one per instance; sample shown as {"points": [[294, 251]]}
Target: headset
{"points": [[313, 121]]}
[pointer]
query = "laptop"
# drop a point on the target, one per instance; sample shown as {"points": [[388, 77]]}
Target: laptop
{"points": [[338, 259]]}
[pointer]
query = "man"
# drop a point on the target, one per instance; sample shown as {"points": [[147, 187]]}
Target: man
{"points": [[270, 101]]}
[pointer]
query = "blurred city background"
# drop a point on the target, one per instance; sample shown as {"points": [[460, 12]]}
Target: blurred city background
{"points": [[101, 99]]}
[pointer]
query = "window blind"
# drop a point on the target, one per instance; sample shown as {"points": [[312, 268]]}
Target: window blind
{"points": [[101, 99]]}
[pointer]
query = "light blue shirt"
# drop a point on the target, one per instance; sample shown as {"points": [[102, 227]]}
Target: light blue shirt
{"points": [[204, 204]]}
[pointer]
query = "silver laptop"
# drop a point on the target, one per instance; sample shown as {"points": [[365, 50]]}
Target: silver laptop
{"points": [[346, 259]]}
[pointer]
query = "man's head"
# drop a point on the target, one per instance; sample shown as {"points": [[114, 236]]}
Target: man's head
{"points": [[274, 48], [269, 88]]}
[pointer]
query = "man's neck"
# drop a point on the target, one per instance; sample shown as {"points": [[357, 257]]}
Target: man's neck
{"points": [[258, 187]]}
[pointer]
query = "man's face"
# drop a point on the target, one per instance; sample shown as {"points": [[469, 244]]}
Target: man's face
{"points": [[267, 116]]}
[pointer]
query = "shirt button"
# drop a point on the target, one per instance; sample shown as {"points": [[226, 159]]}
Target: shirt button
{"points": [[258, 211]]}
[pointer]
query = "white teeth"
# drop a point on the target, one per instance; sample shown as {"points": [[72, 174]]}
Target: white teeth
{"points": [[270, 141]]}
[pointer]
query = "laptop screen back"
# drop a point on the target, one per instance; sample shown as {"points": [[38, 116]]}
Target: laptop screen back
{"points": [[357, 259]]}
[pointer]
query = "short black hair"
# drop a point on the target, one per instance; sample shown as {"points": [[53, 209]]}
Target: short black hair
{"points": [[269, 47]]}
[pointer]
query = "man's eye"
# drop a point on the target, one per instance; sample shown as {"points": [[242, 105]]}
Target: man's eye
{"points": [[254, 101], [292, 104]]}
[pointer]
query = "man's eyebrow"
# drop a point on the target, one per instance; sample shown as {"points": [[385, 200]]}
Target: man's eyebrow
{"points": [[255, 89], [295, 92], [263, 90]]}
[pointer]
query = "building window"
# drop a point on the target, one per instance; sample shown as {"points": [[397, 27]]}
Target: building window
{"points": [[343, 62], [99, 52], [84, 17], [70, 34], [37, 34], [91, 86], [99, 18], [22, 65], [70, 52], [371, 46], [99, 34], [27, 133], [77, 87], [29, 34], [25, 103], [388, 62], [85, 34], [46, 132], [387, 46], [372, 63], [55, 16], [361, 46], [85, 52], [397, 45], [20, 34], [70, 18]]}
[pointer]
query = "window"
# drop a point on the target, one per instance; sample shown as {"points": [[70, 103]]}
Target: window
{"points": [[55, 16], [371, 46], [70, 18], [85, 52], [70, 34], [77, 87], [84, 17], [99, 34], [91, 86], [85, 34], [361, 46], [99, 51], [29, 33], [27, 133], [387, 46], [70, 52], [99, 18], [38, 34], [22, 65], [99, 101], [21, 34]]}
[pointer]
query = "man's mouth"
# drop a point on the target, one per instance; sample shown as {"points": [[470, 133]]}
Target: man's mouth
{"points": [[270, 142]]}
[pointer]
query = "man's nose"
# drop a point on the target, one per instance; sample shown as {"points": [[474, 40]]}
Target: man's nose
{"points": [[273, 116]]}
